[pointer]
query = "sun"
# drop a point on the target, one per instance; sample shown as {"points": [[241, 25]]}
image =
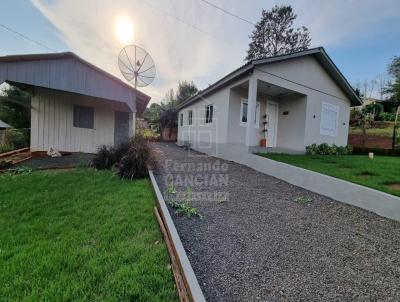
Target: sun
{"points": [[124, 30]]}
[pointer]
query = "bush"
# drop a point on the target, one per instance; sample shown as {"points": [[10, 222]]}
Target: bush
{"points": [[325, 149], [6, 148], [135, 162], [14, 139], [386, 116], [107, 157], [17, 138], [104, 158], [131, 158], [148, 134]]}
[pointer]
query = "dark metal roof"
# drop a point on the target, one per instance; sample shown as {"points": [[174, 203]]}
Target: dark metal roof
{"points": [[319, 53]]}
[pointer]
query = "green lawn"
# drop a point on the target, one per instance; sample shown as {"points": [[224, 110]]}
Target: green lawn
{"points": [[381, 173], [80, 235]]}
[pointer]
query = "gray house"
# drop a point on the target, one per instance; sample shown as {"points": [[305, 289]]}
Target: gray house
{"points": [[283, 103], [76, 106]]}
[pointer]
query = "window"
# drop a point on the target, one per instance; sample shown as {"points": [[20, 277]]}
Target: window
{"points": [[181, 119], [329, 119], [209, 113], [243, 113], [190, 117], [83, 117]]}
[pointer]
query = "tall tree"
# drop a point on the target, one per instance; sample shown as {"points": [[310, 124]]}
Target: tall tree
{"points": [[152, 114], [169, 114], [275, 35], [185, 90], [393, 88], [15, 107]]}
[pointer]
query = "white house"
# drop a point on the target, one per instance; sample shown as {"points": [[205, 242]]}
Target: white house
{"points": [[75, 106], [290, 100]]}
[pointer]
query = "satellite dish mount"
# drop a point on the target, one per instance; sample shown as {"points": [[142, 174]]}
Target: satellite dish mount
{"points": [[136, 65]]}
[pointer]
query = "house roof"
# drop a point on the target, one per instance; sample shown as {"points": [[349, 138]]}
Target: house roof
{"points": [[319, 53], [4, 125], [68, 72]]}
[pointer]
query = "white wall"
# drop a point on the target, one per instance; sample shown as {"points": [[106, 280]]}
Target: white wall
{"points": [[52, 122], [311, 86], [200, 134], [305, 73]]}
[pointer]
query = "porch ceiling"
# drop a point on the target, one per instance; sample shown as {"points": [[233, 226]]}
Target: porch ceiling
{"points": [[270, 89]]}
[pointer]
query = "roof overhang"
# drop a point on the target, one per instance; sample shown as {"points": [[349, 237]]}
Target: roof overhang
{"points": [[70, 73]]}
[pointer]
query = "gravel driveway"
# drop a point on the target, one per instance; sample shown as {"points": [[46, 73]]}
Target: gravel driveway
{"points": [[261, 245]]}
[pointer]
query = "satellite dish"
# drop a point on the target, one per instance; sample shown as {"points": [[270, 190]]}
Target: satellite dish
{"points": [[136, 65]]}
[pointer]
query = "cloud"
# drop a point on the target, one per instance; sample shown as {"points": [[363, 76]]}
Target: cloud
{"points": [[217, 45], [180, 52]]}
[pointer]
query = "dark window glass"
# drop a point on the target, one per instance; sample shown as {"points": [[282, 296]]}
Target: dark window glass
{"points": [[209, 113], [181, 119], [244, 112], [190, 117], [83, 117]]}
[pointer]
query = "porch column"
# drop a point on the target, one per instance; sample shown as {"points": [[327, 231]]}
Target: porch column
{"points": [[251, 109]]}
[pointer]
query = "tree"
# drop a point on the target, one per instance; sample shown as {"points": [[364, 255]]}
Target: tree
{"points": [[274, 34], [393, 88], [185, 90], [15, 107], [168, 113], [152, 114]]}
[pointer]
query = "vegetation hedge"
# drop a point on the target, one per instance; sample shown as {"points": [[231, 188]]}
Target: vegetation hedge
{"points": [[325, 149], [131, 159]]}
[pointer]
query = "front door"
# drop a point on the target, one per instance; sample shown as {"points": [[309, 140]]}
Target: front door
{"points": [[121, 127], [272, 123]]}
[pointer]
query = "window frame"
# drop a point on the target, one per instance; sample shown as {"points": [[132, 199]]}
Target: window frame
{"points": [[209, 114], [257, 113], [76, 118], [181, 119], [190, 117], [323, 130]]}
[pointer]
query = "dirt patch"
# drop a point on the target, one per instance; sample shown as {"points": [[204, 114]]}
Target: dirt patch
{"points": [[394, 186], [371, 141]]}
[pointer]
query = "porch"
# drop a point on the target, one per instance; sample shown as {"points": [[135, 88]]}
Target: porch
{"points": [[263, 116]]}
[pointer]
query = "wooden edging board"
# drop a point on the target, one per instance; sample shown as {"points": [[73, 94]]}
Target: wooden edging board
{"points": [[2, 155], [190, 284]]}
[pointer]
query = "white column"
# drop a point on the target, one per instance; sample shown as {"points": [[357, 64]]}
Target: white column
{"points": [[251, 109]]}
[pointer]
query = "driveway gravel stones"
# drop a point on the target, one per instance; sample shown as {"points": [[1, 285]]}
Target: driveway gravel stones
{"points": [[258, 244]]}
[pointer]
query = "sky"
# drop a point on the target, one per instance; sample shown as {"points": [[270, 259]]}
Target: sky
{"points": [[191, 40]]}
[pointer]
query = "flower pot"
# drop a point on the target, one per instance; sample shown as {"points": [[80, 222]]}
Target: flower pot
{"points": [[263, 142]]}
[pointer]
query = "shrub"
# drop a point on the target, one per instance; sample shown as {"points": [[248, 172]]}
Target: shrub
{"points": [[104, 158], [148, 134], [120, 151], [6, 148], [14, 139], [135, 162], [386, 116], [107, 156], [325, 149]]}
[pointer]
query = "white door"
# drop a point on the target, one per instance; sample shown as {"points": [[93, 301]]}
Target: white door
{"points": [[272, 123]]}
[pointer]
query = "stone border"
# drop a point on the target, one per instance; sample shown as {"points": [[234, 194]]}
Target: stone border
{"points": [[187, 271], [381, 203]]}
